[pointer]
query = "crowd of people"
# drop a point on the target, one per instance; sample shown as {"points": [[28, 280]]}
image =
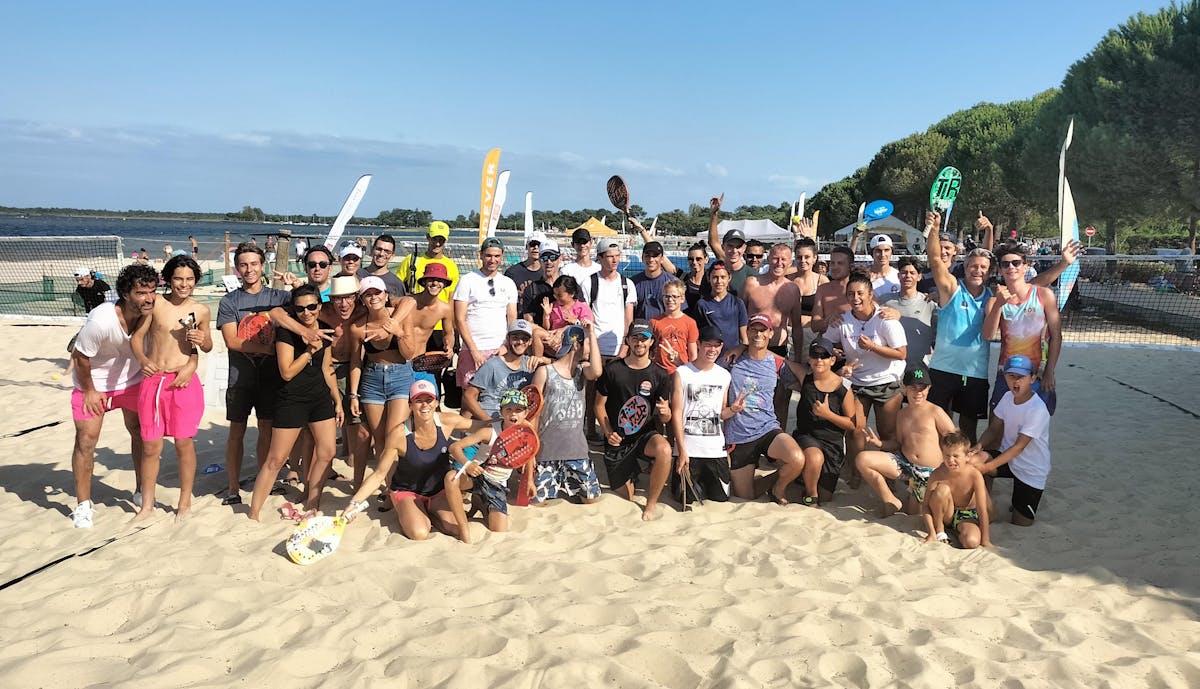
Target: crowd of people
{"points": [[682, 379]]}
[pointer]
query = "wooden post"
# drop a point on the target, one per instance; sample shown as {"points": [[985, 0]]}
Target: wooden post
{"points": [[283, 250], [225, 253]]}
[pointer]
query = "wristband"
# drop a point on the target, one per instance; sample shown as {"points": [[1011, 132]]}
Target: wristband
{"points": [[353, 395]]}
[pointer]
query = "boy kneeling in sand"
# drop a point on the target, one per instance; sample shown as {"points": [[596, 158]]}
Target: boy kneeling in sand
{"points": [[1018, 437], [957, 496], [488, 483], [915, 452]]}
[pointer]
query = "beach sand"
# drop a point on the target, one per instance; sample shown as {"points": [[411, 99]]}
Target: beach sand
{"points": [[1102, 592]]}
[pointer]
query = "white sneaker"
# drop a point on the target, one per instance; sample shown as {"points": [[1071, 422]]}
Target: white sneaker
{"points": [[83, 515], [137, 498]]}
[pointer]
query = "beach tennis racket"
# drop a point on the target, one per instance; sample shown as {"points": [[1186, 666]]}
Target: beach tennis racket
{"points": [[431, 362], [315, 539], [572, 336], [877, 210], [514, 447], [633, 415], [618, 193], [256, 328], [944, 191], [534, 396]]}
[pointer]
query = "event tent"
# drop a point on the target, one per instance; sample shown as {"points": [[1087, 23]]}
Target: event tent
{"points": [[596, 228], [892, 226], [764, 231]]}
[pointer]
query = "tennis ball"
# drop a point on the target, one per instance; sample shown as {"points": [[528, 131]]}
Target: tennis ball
{"points": [[796, 219], [56, 376]]}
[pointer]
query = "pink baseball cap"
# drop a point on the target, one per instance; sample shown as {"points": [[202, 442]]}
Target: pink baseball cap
{"points": [[422, 388]]}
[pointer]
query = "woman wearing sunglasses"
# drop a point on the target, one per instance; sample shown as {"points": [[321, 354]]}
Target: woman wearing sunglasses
{"points": [[696, 286], [308, 398]]}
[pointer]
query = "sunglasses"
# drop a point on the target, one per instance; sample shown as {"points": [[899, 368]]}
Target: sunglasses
{"points": [[317, 264], [351, 257], [695, 259], [310, 307], [492, 286], [1015, 263], [755, 257]]}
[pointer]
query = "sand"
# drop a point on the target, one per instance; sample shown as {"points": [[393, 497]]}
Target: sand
{"points": [[1102, 592]]}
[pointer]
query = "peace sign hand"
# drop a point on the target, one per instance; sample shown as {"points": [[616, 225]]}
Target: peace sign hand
{"points": [[871, 438], [662, 407], [666, 347], [739, 404]]}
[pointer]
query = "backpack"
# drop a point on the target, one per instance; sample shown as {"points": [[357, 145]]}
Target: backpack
{"points": [[596, 288]]}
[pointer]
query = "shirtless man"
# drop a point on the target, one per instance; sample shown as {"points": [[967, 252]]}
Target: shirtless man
{"points": [[778, 298], [171, 400], [831, 301], [915, 452], [341, 313]]}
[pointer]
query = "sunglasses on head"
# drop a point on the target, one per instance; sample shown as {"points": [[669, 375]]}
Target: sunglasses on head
{"points": [[1016, 262], [310, 307], [317, 264]]}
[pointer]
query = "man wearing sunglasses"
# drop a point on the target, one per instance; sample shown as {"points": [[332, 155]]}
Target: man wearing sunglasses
{"points": [[485, 303], [317, 263], [382, 251], [525, 273], [756, 254]]}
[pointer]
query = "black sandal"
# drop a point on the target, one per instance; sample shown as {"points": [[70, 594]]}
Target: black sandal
{"points": [[776, 499], [809, 501]]}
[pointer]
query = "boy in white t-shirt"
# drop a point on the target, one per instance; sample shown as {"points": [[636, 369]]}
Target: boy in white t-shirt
{"points": [[1018, 440], [702, 392]]}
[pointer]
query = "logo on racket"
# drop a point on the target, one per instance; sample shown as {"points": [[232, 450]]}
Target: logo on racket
{"points": [[633, 415]]}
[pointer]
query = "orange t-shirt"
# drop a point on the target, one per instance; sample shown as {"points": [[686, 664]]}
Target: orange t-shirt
{"points": [[677, 332]]}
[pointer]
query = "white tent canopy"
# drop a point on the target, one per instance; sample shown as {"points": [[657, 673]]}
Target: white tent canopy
{"points": [[764, 231], [892, 226]]}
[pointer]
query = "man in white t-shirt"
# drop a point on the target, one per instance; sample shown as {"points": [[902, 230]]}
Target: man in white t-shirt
{"points": [[583, 266], [612, 303], [485, 302], [1019, 439], [108, 376], [875, 350]]}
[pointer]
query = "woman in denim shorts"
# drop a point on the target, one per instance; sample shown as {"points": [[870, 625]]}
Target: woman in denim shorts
{"points": [[380, 369]]}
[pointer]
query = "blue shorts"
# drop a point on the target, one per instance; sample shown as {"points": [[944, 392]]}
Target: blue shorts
{"points": [[382, 383], [492, 497]]}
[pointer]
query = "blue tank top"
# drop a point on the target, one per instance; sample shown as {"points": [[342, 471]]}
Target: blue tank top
{"points": [[756, 377], [960, 348], [422, 471]]}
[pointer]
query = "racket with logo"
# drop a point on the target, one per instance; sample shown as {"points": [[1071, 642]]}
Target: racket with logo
{"points": [[633, 415], [315, 539], [877, 210], [944, 192], [513, 448], [618, 193], [431, 362], [256, 328]]}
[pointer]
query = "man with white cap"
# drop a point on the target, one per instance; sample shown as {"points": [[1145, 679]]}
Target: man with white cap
{"points": [[531, 307], [885, 280], [90, 288], [510, 370]]}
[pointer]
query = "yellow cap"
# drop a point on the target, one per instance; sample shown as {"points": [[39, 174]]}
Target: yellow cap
{"points": [[439, 229]]}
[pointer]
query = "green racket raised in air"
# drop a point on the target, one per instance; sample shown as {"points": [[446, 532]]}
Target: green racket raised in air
{"points": [[944, 192]]}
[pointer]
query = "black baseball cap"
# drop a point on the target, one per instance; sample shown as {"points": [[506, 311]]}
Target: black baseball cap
{"points": [[734, 236], [710, 332], [641, 326], [581, 236], [916, 374], [821, 348], [653, 249]]}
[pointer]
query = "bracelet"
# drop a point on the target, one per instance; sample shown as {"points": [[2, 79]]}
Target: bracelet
{"points": [[353, 395]]}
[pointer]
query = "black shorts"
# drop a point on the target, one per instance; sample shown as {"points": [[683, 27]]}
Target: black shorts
{"points": [[780, 349], [963, 394], [299, 411], [436, 341], [746, 454], [875, 394], [624, 462], [834, 454], [260, 394], [1025, 498], [710, 480]]}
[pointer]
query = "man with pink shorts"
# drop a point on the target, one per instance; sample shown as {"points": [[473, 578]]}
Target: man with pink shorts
{"points": [[107, 376], [485, 302]]}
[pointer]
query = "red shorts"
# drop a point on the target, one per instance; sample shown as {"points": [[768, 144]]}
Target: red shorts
{"points": [[467, 367], [113, 399], [164, 410], [422, 500]]}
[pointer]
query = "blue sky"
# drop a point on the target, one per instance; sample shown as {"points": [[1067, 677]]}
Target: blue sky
{"points": [[216, 105]]}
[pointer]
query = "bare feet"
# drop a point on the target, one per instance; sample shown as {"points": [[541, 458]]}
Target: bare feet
{"points": [[648, 514], [143, 514], [183, 514], [890, 507]]}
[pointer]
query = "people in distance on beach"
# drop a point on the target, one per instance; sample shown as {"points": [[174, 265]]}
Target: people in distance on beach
{"points": [[108, 376], [309, 398], [957, 497], [195, 247], [487, 483], [564, 469], [825, 414], [485, 302], [253, 383], [701, 399], [635, 375], [414, 471], [915, 451], [1018, 439], [92, 290], [171, 399], [675, 333]]}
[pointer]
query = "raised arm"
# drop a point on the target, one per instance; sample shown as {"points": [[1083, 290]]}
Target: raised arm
{"points": [[667, 265], [991, 322], [595, 364], [1070, 254], [989, 231], [714, 219], [945, 281], [1053, 336]]}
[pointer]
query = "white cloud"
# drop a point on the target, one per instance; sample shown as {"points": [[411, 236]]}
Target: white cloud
{"points": [[649, 167], [790, 182], [716, 170], [252, 139]]}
